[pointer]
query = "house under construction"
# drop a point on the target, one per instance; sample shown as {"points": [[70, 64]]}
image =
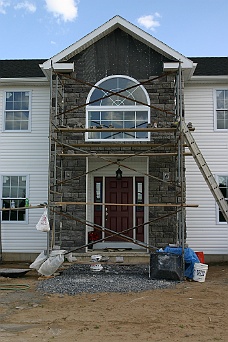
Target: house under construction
{"points": [[107, 137]]}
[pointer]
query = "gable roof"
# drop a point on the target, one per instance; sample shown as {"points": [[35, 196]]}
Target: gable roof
{"points": [[210, 66], [21, 68], [110, 26], [26, 68]]}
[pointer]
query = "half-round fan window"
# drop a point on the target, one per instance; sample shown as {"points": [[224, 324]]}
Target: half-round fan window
{"points": [[127, 109]]}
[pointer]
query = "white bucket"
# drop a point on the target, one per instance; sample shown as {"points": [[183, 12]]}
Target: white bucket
{"points": [[96, 258], [199, 272], [96, 267]]}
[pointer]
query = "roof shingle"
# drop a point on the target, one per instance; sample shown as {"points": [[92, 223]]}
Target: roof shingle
{"points": [[20, 68], [210, 66]]}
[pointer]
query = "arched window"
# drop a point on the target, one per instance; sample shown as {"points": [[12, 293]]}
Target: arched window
{"points": [[128, 109]]}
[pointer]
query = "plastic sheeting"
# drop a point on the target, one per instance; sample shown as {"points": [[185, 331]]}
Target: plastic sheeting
{"points": [[190, 258]]}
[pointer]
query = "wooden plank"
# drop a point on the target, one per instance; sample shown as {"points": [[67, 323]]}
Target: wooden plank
{"points": [[128, 204], [115, 144], [22, 208], [139, 154], [104, 129]]}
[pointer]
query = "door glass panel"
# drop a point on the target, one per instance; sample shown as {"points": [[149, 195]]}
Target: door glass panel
{"points": [[139, 194], [98, 194]]}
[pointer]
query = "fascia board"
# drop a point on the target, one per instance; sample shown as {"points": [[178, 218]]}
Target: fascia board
{"points": [[156, 44], [174, 66], [209, 79], [63, 67], [60, 67], [25, 81], [80, 45], [46, 72], [170, 66], [111, 25]]}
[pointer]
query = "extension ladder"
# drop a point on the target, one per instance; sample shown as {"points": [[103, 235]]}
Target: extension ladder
{"points": [[207, 175]]}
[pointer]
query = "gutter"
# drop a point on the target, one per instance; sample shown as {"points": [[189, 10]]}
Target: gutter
{"points": [[208, 79], [24, 80]]}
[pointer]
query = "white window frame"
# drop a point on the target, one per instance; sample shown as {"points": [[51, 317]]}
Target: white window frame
{"points": [[215, 110], [29, 110], [118, 109], [9, 174], [217, 207]]}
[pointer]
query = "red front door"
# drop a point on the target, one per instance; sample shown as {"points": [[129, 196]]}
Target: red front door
{"points": [[119, 217]]}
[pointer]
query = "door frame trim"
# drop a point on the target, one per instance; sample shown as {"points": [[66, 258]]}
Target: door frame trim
{"points": [[109, 172]]}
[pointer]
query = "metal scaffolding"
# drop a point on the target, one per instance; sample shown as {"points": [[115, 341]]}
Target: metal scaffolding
{"points": [[59, 148]]}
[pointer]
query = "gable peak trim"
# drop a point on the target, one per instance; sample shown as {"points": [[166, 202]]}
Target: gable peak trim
{"points": [[110, 26]]}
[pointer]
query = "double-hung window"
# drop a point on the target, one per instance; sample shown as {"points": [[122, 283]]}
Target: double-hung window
{"points": [[17, 111], [118, 102], [14, 189], [223, 185], [221, 109]]}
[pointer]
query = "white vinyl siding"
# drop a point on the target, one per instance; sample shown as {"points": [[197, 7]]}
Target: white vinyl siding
{"points": [[203, 231], [27, 153]]}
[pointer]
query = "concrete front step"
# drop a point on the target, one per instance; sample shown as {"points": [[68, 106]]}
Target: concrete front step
{"points": [[116, 256]]}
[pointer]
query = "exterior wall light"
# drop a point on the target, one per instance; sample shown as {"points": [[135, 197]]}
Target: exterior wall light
{"points": [[118, 174]]}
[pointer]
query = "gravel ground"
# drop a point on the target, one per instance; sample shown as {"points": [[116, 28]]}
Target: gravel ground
{"points": [[112, 278]]}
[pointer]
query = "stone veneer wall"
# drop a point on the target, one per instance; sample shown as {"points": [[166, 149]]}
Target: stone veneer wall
{"points": [[164, 231]]}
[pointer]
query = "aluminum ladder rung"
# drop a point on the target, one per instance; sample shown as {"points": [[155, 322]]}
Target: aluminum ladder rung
{"points": [[207, 175]]}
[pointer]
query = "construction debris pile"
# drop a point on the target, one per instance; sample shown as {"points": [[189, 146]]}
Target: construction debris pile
{"points": [[112, 278]]}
